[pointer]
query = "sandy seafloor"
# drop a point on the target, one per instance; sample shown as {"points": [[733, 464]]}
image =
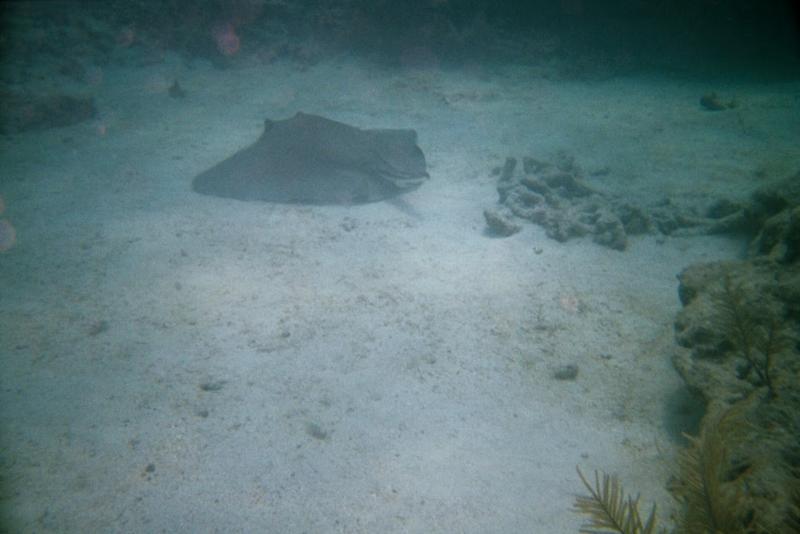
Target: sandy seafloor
{"points": [[377, 368]]}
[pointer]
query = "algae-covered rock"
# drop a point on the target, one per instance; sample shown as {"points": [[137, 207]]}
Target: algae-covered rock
{"points": [[738, 336]]}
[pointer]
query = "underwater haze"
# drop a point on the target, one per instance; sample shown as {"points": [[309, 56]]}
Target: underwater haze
{"points": [[423, 266]]}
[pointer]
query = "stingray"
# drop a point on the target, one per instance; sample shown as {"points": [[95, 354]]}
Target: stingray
{"points": [[309, 159]]}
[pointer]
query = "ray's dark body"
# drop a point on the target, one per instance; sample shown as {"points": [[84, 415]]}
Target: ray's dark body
{"points": [[309, 159]]}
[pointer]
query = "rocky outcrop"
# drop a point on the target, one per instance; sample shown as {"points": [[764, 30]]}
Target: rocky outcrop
{"points": [[556, 197], [739, 349]]}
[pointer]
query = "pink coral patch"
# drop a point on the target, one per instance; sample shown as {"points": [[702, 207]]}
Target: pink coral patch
{"points": [[227, 41]]}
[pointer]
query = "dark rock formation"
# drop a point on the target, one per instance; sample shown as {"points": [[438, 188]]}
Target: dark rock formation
{"points": [[24, 112]]}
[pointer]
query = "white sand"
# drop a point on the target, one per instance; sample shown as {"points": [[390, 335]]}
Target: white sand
{"points": [[422, 349]]}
